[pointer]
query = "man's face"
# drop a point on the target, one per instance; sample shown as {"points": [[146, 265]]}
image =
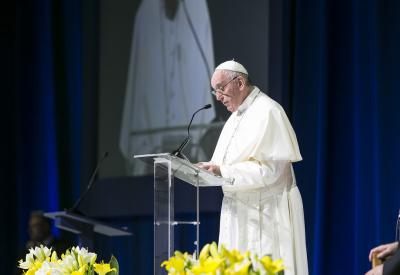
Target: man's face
{"points": [[227, 90], [38, 229]]}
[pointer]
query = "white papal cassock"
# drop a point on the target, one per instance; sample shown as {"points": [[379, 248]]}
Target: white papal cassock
{"points": [[262, 211]]}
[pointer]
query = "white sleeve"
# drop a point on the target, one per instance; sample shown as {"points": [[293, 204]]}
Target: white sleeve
{"points": [[253, 174]]}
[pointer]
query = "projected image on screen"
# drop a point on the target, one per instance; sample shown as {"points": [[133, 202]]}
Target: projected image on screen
{"points": [[171, 59]]}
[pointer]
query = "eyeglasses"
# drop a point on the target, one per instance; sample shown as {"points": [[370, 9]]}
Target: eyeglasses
{"points": [[220, 90]]}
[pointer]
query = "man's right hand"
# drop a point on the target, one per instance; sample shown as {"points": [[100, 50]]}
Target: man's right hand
{"points": [[376, 271], [383, 251], [210, 167]]}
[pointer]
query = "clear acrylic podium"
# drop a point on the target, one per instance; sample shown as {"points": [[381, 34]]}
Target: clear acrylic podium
{"points": [[166, 168]]}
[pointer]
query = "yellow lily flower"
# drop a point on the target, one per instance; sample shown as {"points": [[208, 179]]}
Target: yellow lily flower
{"points": [[214, 260], [81, 271], [271, 266], [209, 267], [175, 265], [241, 268], [103, 268], [54, 257], [204, 253], [233, 256], [36, 266], [214, 250]]}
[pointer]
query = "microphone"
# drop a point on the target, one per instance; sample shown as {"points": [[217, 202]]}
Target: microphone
{"points": [[74, 208], [178, 152]]}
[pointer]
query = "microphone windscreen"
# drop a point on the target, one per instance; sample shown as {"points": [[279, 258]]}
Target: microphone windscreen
{"points": [[208, 106]]}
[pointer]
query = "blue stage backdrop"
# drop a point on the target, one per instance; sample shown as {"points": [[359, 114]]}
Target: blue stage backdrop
{"points": [[344, 101], [43, 155], [345, 97]]}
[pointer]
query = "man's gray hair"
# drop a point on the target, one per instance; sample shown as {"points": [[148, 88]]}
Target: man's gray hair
{"points": [[232, 74]]}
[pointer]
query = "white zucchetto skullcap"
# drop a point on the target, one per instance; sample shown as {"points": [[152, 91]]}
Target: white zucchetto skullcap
{"points": [[232, 65]]}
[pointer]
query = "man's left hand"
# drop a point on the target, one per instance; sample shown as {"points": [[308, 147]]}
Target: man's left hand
{"points": [[378, 270]]}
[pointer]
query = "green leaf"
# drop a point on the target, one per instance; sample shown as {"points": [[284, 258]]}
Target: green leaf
{"points": [[253, 272], [114, 264]]}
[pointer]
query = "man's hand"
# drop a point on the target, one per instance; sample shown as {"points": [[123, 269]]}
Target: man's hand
{"points": [[378, 270], [383, 251], [210, 167]]}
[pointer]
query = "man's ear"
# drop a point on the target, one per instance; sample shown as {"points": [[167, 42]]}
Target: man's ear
{"points": [[242, 82]]}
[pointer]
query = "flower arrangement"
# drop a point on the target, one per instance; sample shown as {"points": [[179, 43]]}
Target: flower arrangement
{"points": [[220, 261], [75, 261]]}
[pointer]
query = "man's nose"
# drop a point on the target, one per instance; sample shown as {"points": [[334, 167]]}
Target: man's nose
{"points": [[219, 96]]}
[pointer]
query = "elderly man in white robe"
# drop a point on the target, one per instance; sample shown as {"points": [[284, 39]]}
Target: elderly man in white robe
{"points": [[262, 211]]}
